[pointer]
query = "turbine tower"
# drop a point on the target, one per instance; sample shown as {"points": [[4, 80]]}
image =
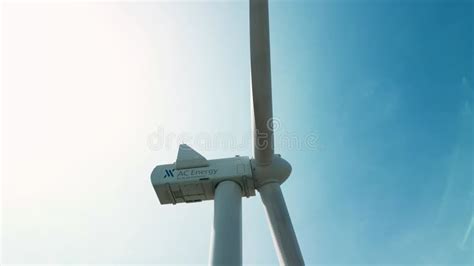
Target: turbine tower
{"points": [[193, 178]]}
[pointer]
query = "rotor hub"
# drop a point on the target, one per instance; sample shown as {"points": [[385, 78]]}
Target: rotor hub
{"points": [[277, 171]]}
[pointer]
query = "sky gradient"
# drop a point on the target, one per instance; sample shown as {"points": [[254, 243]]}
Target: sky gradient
{"points": [[374, 103]]}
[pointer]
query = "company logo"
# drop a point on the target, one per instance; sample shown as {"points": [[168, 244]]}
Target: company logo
{"points": [[186, 173], [169, 173]]}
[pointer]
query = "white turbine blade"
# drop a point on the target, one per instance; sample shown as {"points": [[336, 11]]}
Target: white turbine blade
{"points": [[261, 81], [226, 238], [284, 237]]}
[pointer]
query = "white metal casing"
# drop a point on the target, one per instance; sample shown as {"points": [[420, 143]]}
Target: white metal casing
{"points": [[197, 184]]}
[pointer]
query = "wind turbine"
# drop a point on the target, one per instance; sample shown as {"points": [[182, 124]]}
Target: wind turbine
{"points": [[193, 178]]}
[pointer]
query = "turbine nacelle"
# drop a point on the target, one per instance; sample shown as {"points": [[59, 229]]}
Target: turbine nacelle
{"points": [[193, 178]]}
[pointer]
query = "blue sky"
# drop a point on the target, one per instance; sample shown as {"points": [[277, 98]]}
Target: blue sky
{"points": [[387, 87], [90, 92]]}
